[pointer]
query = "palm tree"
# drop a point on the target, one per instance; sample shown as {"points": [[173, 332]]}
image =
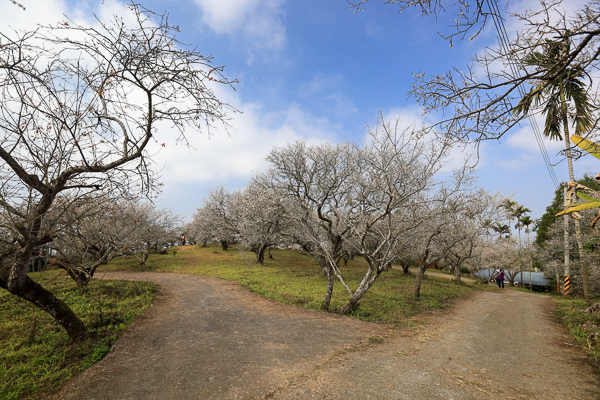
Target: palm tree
{"points": [[509, 207], [501, 229], [560, 87], [561, 93], [518, 213], [527, 221]]}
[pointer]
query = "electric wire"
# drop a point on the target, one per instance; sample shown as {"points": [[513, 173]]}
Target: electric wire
{"points": [[505, 46], [503, 38]]}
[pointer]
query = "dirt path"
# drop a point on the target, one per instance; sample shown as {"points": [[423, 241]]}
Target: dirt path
{"points": [[208, 339], [502, 345], [439, 274], [205, 338]]}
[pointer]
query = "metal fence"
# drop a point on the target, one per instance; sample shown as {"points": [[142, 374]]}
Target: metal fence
{"points": [[537, 278]]}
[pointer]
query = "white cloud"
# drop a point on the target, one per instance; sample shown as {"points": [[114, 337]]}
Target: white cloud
{"points": [[220, 158], [254, 133], [37, 12], [259, 22], [322, 82], [326, 90], [523, 139]]}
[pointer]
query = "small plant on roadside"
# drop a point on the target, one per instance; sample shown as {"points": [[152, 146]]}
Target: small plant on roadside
{"points": [[376, 339]]}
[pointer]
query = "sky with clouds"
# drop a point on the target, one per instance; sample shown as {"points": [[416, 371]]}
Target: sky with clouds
{"points": [[311, 70]]}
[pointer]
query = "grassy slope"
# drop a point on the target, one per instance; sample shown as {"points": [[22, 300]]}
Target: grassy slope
{"points": [[43, 361], [295, 278], [579, 324]]}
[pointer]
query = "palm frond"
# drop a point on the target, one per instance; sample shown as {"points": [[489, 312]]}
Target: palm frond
{"points": [[553, 126]]}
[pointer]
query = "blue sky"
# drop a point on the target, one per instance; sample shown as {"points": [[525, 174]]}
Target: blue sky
{"points": [[313, 70]]}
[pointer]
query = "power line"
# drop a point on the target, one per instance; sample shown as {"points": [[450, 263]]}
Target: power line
{"points": [[505, 46]]}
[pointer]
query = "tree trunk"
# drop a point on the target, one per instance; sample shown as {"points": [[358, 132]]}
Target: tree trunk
{"points": [[83, 275], [418, 280], [145, 255], [511, 279], [224, 245], [270, 256], [329, 292], [366, 283], [260, 254], [456, 277], [566, 235], [349, 306], [489, 277], [405, 269], [521, 284], [36, 294], [81, 278]]}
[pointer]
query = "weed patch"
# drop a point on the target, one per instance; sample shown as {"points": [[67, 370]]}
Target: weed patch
{"points": [[585, 327], [35, 352]]}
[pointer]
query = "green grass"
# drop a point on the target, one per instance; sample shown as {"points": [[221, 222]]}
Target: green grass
{"points": [[40, 362], [294, 278], [569, 314]]}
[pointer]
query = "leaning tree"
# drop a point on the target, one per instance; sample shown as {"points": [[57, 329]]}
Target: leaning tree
{"points": [[80, 112]]}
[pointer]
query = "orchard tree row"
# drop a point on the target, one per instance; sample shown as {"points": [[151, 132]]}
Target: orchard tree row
{"points": [[394, 197], [95, 232]]}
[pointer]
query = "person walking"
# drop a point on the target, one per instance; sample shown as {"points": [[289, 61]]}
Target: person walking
{"points": [[500, 279]]}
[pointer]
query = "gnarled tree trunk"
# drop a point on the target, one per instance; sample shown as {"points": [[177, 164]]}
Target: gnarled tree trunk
{"points": [[418, 280], [366, 283], [81, 277], [260, 254], [329, 292], [36, 294]]}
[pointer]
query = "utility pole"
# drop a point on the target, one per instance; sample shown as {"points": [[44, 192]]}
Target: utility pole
{"points": [[567, 287]]}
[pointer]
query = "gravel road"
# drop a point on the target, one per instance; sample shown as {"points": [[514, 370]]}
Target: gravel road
{"points": [[206, 338]]}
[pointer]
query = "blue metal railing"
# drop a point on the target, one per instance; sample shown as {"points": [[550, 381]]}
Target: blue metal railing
{"points": [[537, 278]]}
